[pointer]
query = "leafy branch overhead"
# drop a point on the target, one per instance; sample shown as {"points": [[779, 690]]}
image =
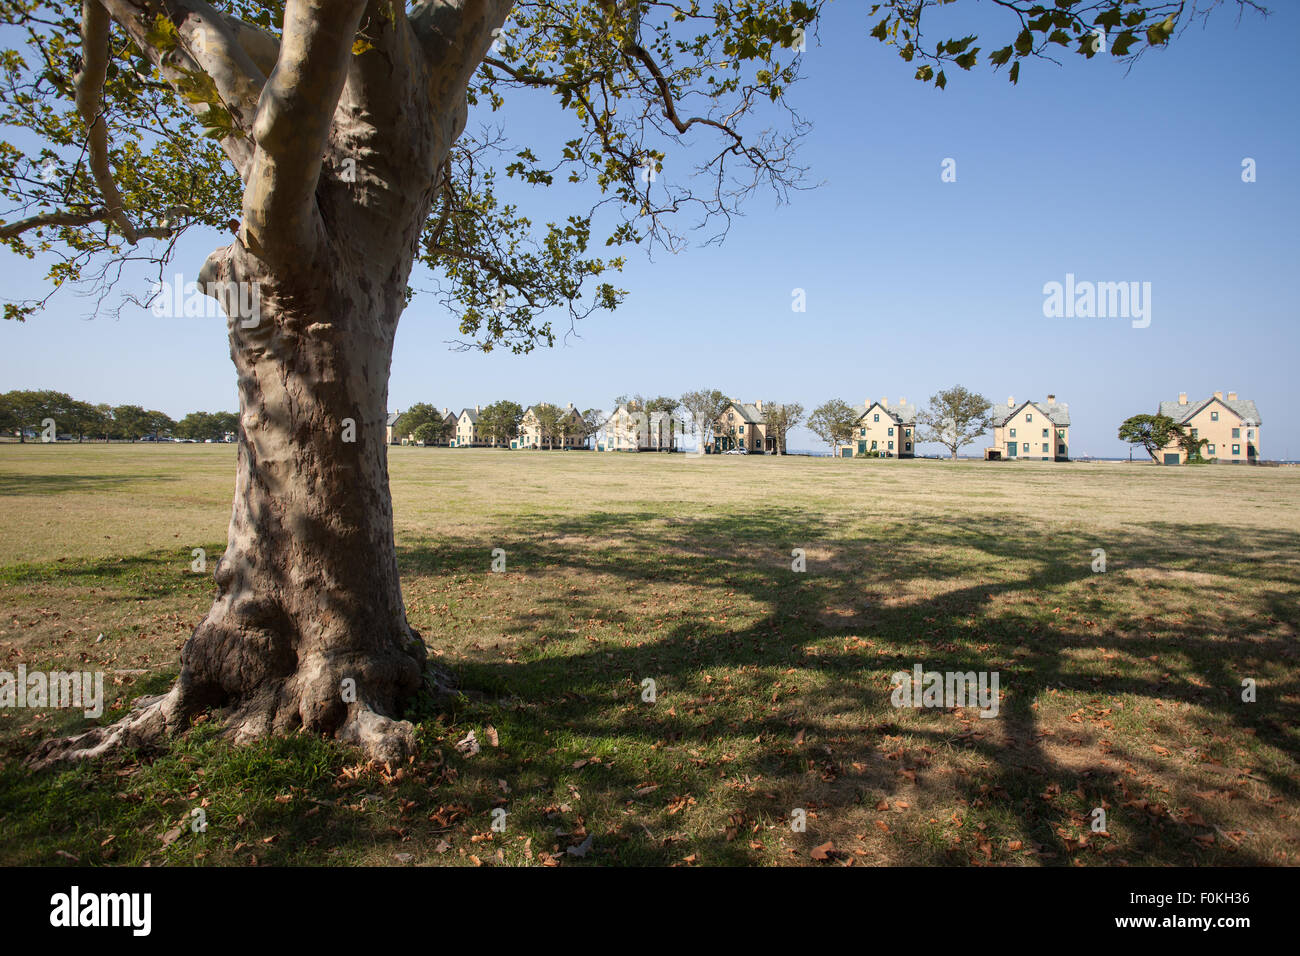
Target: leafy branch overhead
{"points": [[667, 116], [1124, 29]]}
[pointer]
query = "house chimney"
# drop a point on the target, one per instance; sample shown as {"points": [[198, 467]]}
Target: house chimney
{"points": [[902, 400], [570, 404], [1051, 399], [1011, 401], [477, 409], [444, 411], [1182, 398], [884, 401], [1232, 396], [759, 404], [1219, 396]]}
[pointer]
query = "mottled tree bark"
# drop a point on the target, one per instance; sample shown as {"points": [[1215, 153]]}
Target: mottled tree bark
{"points": [[309, 629]]}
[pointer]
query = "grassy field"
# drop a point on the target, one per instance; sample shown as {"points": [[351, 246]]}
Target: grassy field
{"points": [[1120, 690]]}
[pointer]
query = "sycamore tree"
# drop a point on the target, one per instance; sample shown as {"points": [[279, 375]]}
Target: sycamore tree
{"points": [[325, 145]]}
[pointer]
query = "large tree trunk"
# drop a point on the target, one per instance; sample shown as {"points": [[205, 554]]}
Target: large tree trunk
{"points": [[308, 628]]}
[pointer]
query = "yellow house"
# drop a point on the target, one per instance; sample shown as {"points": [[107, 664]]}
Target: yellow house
{"points": [[888, 430], [1231, 425], [743, 427], [467, 430], [1035, 430], [631, 428], [571, 432]]}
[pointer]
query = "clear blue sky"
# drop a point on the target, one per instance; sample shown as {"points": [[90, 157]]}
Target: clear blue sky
{"points": [[912, 284]]}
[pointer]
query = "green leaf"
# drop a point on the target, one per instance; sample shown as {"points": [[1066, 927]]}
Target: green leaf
{"points": [[1160, 32]]}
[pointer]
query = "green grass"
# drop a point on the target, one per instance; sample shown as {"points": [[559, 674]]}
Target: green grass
{"points": [[1119, 690]]}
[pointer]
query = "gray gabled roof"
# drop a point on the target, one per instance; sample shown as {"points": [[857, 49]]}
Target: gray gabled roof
{"points": [[1244, 408], [473, 415], [902, 414], [392, 418], [1058, 413]]}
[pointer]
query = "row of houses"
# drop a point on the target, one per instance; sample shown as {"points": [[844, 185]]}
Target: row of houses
{"points": [[628, 428], [1035, 430]]}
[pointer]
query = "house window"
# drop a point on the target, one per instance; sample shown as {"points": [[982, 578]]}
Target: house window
{"points": [[1214, 416], [1013, 433], [1236, 433], [1210, 449], [742, 429], [907, 446], [1028, 417], [1046, 448], [891, 446], [1194, 433], [873, 446], [1046, 432], [1060, 433], [1060, 449], [1236, 449], [876, 418], [1025, 447], [891, 431], [1250, 433], [908, 433], [862, 433]]}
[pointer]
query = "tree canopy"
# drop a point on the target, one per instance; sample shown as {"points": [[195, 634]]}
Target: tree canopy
{"points": [[1151, 432], [145, 122]]}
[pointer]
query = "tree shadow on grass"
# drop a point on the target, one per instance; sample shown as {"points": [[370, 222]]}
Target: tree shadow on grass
{"points": [[992, 575], [53, 484]]}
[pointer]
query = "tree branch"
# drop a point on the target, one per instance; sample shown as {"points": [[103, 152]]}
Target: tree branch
{"points": [[89, 84], [293, 124]]}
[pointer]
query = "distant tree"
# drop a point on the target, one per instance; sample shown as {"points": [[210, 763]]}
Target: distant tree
{"points": [[207, 426], [780, 419], [159, 423], [548, 422], [432, 432], [955, 418], [703, 406], [593, 420], [833, 422], [499, 422], [132, 421], [662, 403], [1152, 432], [22, 411], [410, 420]]}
